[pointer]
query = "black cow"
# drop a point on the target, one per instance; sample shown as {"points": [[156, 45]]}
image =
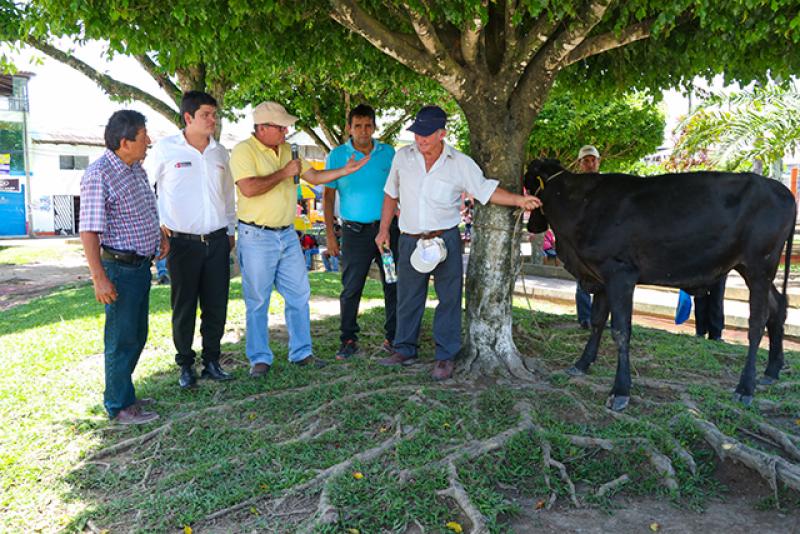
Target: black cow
{"points": [[614, 231]]}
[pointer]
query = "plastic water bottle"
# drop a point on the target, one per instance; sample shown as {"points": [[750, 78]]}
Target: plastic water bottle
{"points": [[389, 269]]}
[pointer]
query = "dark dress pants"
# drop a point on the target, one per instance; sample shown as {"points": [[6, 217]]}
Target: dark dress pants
{"points": [[709, 311], [412, 292], [199, 272], [358, 252], [125, 331], [583, 303]]}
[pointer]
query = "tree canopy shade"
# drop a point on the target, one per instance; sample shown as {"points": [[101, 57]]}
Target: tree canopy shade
{"points": [[247, 56], [497, 59]]}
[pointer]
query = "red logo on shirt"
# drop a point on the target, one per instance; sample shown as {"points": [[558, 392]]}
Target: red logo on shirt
{"points": [[182, 164]]}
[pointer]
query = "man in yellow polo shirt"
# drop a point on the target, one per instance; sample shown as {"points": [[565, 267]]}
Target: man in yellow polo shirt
{"points": [[268, 248]]}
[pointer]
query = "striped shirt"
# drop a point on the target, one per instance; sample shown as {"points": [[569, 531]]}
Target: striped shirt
{"points": [[118, 204]]}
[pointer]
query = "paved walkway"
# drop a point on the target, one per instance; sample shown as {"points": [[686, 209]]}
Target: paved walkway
{"points": [[663, 301]]}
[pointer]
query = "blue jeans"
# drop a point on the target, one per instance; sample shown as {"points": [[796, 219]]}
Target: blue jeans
{"points": [[583, 302], [125, 331], [161, 268], [309, 253], [331, 263], [268, 259]]}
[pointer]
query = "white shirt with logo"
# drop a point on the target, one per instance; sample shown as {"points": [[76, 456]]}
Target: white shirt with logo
{"points": [[431, 200], [195, 190]]}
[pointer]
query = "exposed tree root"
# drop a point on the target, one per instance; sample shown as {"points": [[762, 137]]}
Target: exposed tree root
{"points": [[129, 443], [682, 453], [324, 475], [659, 461], [780, 439], [548, 461], [457, 492], [612, 485], [772, 468]]}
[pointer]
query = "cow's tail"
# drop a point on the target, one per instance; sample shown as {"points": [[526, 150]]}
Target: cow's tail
{"points": [[787, 264]]}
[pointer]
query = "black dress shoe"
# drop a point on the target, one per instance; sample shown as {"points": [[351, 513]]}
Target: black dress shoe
{"points": [[188, 377], [214, 371]]}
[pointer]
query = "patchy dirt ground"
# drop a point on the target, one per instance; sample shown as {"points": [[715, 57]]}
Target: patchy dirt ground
{"points": [[735, 514]]}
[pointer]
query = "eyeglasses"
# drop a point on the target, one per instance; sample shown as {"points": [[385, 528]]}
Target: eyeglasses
{"points": [[278, 126]]}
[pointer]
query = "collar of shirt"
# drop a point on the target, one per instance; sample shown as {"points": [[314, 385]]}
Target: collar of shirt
{"points": [[181, 140], [377, 146], [118, 165], [448, 153]]}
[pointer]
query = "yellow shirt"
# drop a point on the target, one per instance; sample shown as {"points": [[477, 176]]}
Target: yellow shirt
{"points": [[276, 207]]}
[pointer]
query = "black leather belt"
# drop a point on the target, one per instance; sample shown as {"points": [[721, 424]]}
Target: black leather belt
{"points": [[122, 256], [263, 227], [201, 237]]}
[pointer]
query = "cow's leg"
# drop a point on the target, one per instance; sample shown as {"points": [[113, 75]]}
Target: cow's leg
{"points": [[599, 318], [775, 322], [759, 311], [620, 297]]}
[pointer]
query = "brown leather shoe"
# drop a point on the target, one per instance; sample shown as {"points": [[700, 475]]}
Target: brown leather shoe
{"points": [[398, 359], [443, 370], [259, 370], [133, 415], [141, 403]]}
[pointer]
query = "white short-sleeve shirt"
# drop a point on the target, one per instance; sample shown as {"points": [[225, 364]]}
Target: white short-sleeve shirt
{"points": [[431, 200], [195, 190]]}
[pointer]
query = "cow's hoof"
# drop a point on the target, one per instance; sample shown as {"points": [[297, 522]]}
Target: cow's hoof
{"points": [[767, 381], [618, 402], [574, 371], [747, 400]]}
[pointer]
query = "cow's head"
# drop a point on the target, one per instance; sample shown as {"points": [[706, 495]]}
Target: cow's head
{"points": [[536, 177], [539, 172]]}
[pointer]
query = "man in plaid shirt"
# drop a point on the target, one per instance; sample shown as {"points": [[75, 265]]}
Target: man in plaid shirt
{"points": [[120, 235]]}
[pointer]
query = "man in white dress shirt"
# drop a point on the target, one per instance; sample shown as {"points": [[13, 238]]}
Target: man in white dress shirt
{"points": [[428, 179], [196, 205]]}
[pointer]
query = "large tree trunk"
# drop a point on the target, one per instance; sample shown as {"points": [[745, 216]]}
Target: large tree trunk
{"points": [[498, 146]]}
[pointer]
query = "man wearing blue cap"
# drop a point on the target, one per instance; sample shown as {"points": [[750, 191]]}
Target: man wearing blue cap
{"points": [[427, 179]]}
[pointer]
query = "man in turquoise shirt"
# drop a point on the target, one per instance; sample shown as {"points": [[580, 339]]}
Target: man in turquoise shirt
{"points": [[360, 204]]}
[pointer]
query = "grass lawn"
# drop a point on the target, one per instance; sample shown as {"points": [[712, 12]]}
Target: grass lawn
{"points": [[356, 447], [23, 255]]}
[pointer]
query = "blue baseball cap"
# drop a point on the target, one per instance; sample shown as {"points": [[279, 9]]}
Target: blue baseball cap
{"points": [[428, 120]]}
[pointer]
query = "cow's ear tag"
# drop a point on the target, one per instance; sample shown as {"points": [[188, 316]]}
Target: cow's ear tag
{"points": [[541, 182]]}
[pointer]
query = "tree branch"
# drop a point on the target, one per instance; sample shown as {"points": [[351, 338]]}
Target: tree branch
{"points": [[391, 130], [114, 88], [163, 79], [317, 139], [470, 37], [608, 41], [539, 74], [401, 47], [330, 135], [519, 54]]}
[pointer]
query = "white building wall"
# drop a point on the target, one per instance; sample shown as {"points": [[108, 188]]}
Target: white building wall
{"points": [[48, 179]]}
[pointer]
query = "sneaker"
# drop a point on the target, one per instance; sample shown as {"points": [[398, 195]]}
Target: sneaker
{"points": [[259, 370], [133, 415], [312, 361], [348, 349]]}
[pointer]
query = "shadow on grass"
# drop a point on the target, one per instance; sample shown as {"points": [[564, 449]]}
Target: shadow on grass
{"points": [[251, 441]]}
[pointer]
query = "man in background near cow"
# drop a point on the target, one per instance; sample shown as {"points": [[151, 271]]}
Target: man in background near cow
{"points": [[709, 311], [360, 203], [120, 236], [269, 251], [588, 163], [428, 178], [196, 204]]}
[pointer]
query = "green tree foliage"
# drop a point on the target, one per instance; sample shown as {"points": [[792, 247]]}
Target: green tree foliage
{"points": [[759, 123], [624, 128]]}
